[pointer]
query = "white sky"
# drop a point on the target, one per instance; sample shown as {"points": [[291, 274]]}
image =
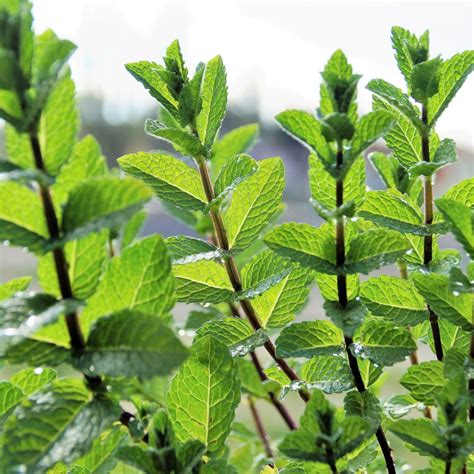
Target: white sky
{"points": [[273, 51]]}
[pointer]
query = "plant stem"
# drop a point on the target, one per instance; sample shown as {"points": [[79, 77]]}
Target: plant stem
{"points": [[471, 379], [331, 459], [448, 468], [343, 300], [263, 377], [72, 320], [428, 240], [260, 428], [234, 275]]}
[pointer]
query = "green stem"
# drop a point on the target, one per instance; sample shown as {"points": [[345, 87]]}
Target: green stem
{"points": [[234, 276], [428, 240], [343, 300]]}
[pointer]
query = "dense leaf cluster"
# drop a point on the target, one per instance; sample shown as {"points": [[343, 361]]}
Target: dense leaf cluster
{"points": [[145, 399]]}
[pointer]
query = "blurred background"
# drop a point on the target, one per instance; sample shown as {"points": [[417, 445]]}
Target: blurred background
{"points": [[273, 51]]}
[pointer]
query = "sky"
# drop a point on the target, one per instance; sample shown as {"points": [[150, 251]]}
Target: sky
{"points": [[273, 51]]}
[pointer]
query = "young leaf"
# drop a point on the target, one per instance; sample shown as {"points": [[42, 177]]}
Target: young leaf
{"points": [[233, 172], [22, 221], [394, 299], [11, 287], [424, 79], [453, 73], [328, 373], [445, 155], [129, 343], [383, 343], [435, 289], [277, 305], [214, 101], [202, 282], [424, 381], [204, 395], [140, 278], [401, 38], [308, 339], [392, 209], [253, 204], [373, 249], [305, 244], [40, 431], [171, 179]]}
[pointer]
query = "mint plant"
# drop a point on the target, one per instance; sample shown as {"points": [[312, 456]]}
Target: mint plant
{"points": [[138, 395]]}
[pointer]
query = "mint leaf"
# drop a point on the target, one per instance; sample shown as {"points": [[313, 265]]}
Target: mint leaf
{"points": [[41, 430], [37, 352], [202, 282], [445, 155], [348, 317], [383, 343], [10, 396], [204, 394], [250, 380], [305, 244], [31, 380], [171, 179], [394, 299], [451, 336], [11, 287], [183, 249], [239, 140], [86, 258], [435, 289], [424, 79], [253, 204], [328, 286], [424, 381], [373, 249], [277, 305], [331, 374], [364, 405], [214, 101], [140, 278], [182, 141], [132, 228], [401, 39], [308, 339], [58, 128], [453, 73], [394, 210], [190, 101], [369, 129], [22, 221], [129, 343], [462, 192]]}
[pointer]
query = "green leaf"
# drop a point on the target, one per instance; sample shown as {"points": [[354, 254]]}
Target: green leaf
{"points": [[424, 79], [453, 73], [10, 108], [348, 317], [387, 168], [85, 257], [323, 185], [239, 140], [102, 202], [11, 172], [101, 459], [250, 380], [424, 381], [148, 73], [460, 219], [401, 38], [86, 161], [253, 204], [57, 131], [41, 430], [374, 249], [10, 396], [203, 281], [456, 308], [140, 278], [364, 405], [235, 333], [305, 244], [308, 339], [190, 101], [132, 228], [278, 305], [394, 210], [214, 101], [171, 179], [395, 98], [398, 406], [328, 286], [445, 155], [11, 287], [394, 299], [182, 141], [369, 129], [183, 249], [129, 343], [451, 336], [331, 374], [305, 128], [22, 221], [383, 343], [421, 436], [31, 380], [204, 395], [462, 192], [35, 351]]}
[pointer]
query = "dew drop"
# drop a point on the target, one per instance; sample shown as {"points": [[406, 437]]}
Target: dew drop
{"points": [[38, 370], [456, 293], [92, 368]]}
